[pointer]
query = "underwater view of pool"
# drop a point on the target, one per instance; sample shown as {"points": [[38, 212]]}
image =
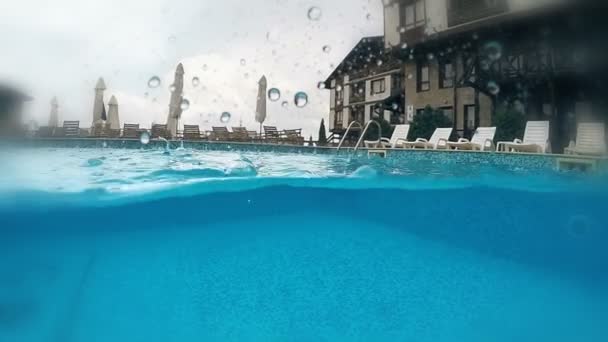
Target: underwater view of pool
{"points": [[188, 245]]}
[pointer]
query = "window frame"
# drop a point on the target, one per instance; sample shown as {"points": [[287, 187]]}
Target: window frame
{"points": [[413, 9], [444, 80], [339, 118], [339, 95], [382, 90], [420, 85]]}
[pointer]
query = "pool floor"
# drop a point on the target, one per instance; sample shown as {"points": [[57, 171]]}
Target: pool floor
{"points": [[282, 278]]}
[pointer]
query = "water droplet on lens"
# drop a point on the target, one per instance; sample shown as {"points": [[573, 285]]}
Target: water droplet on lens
{"points": [[321, 85], [493, 50], [314, 13], [225, 117], [301, 99], [154, 82], [172, 88], [195, 82], [339, 88], [404, 46], [243, 62], [284, 104], [185, 105], [327, 49], [379, 62], [493, 88], [144, 138], [274, 94], [410, 76]]}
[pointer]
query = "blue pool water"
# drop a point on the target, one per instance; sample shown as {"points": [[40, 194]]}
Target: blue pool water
{"points": [[186, 245]]}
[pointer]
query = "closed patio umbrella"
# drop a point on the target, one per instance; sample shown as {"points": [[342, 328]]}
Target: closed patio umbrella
{"points": [[113, 119], [175, 106], [98, 106], [260, 110], [54, 118]]}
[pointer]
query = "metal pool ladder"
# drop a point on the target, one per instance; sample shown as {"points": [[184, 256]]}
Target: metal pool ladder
{"points": [[362, 134]]}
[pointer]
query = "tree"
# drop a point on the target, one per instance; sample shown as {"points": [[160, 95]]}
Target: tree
{"points": [[510, 123], [426, 122], [322, 134]]}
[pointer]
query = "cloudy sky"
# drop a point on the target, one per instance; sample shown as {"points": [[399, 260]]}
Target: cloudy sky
{"points": [[60, 48]]}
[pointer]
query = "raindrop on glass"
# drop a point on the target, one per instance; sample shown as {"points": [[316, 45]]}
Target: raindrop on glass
{"points": [[339, 88], [327, 49], [274, 94], [172, 88], [301, 99], [243, 62], [195, 82], [154, 82], [144, 138], [410, 76], [225, 117], [321, 85], [404, 46], [185, 104], [493, 88], [368, 17], [285, 104], [402, 30], [493, 50], [314, 13], [379, 62]]}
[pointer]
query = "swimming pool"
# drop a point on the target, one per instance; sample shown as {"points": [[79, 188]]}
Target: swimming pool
{"points": [[111, 244]]}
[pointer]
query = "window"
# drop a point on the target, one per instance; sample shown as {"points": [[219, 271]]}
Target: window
{"points": [[339, 95], [397, 82], [423, 79], [415, 15], [448, 112], [378, 87], [446, 75]]}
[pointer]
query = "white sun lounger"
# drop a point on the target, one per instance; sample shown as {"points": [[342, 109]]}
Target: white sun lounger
{"points": [[482, 140], [536, 139], [439, 140], [400, 132], [590, 140]]}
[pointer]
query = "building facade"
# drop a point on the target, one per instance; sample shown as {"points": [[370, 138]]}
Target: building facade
{"points": [[475, 58], [365, 79]]}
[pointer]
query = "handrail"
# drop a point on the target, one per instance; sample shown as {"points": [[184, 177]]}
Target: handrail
{"points": [[346, 133], [365, 131]]}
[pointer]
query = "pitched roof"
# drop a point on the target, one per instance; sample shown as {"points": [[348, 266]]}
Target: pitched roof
{"points": [[358, 56]]}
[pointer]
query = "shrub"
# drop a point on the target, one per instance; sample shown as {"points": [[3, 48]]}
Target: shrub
{"points": [[510, 123], [372, 131], [426, 122]]}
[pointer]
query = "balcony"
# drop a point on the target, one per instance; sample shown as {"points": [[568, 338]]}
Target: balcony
{"points": [[465, 11]]}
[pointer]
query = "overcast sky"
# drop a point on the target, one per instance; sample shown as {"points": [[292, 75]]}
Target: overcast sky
{"points": [[60, 48]]}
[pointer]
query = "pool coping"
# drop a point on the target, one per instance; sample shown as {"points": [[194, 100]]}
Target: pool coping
{"points": [[231, 144]]}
